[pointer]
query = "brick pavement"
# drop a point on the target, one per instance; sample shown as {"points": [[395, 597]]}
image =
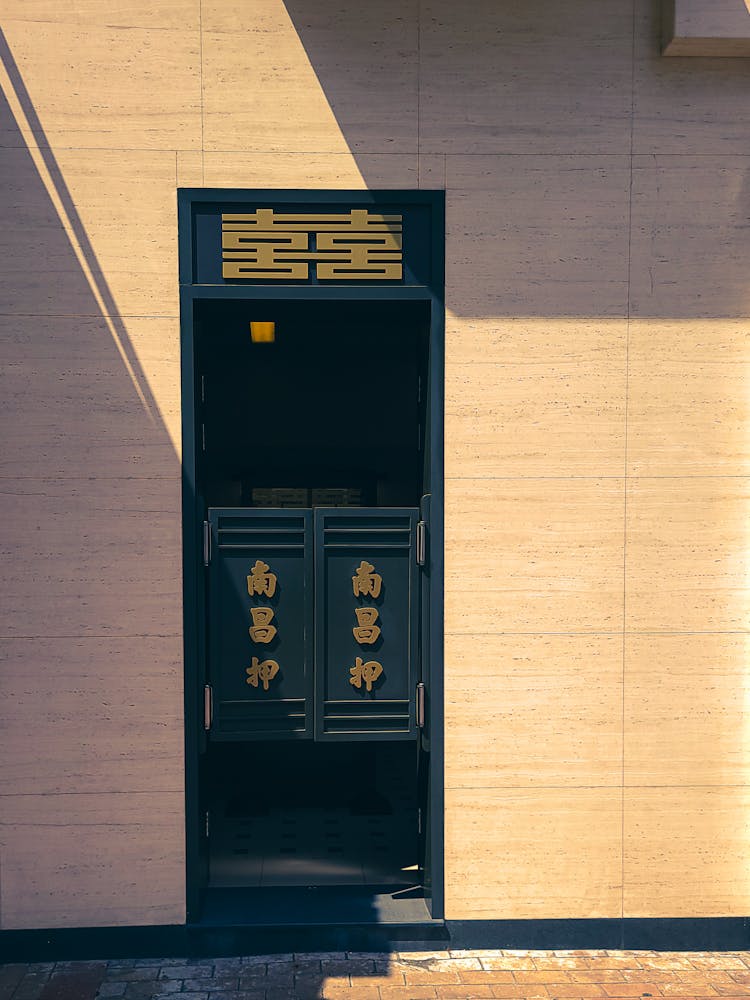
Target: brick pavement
{"points": [[440, 975]]}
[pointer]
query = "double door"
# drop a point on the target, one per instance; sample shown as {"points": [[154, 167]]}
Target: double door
{"points": [[314, 623]]}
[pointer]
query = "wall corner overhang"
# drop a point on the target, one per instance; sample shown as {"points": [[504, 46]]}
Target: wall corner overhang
{"points": [[706, 28]]}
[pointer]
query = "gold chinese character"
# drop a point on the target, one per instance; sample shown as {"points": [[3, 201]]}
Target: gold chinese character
{"points": [[262, 630], [367, 581], [357, 245], [265, 672], [366, 673], [260, 580], [367, 632]]}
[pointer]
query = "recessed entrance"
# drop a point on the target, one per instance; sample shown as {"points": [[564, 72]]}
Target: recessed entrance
{"points": [[312, 470], [312, 390]]}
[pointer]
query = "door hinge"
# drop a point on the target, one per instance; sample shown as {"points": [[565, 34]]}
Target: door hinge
{"points": [[419, 820], [206, 543], [208, 707], [208, 824], [203, 388], [421, 543], [421, 694], [203, 436]]}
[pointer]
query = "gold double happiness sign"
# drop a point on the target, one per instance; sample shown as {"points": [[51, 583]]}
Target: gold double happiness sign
{"points": [[266, 245]]}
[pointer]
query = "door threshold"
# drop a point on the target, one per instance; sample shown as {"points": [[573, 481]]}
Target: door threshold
{"points": [[311, 906]]}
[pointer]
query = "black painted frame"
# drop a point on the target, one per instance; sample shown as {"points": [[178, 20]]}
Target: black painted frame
{"points": [[192, 516]]}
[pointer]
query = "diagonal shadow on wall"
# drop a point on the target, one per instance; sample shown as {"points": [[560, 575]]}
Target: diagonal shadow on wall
{"points": [[91, 589]]}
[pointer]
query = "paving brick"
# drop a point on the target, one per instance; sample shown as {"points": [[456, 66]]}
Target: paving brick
{"points": [[678, 989], [227, 966], [454, 964], [426, 977], [185, 972], [300, 993], [557, 963], [487, 976], [498, 991], [477, 953], [666, 962], [319, 956], [147, 988], [134, 974], [267, 980], [580, 952], [385, 981], [421, 956], [241, 994], [267, 959], [657, 976], [28, 990], [601, 975], [347, 967], [116, 989], [508, 962], [510, 991], [633, 989], [219, 981], [464, 992], [79, 981], [612, 961], [407, 992], [578, 989], [717, 960], [11, 975], [343, 991], [541, 976]]}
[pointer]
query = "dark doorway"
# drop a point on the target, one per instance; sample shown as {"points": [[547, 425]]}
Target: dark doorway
{"points": [[331, 413], [331, 417]]}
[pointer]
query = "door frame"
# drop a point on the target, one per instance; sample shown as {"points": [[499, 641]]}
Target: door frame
{"points": [[192, 515]]}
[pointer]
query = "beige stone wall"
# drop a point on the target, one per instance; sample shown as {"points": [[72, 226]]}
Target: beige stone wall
{"points": [[598, 757]]}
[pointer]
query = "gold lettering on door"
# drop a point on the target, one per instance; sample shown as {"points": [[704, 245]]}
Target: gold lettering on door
{"points": [[366, 581], [366, 632], [365, 673], [262, 630], [260, 580], [264, 672]]}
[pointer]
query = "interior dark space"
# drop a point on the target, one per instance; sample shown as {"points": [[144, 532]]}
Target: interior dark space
{"points": [[332, 413]]}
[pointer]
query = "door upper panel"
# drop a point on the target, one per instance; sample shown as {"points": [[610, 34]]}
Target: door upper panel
{"points": [[366, 623], [260, 625]]}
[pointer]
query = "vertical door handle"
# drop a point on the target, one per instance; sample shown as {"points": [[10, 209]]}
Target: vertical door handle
{"points": [[208, 707], [421, 694], [421, 543]]}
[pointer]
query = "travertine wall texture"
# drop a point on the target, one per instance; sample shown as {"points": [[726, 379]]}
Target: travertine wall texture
{"points": [[597, 445]]}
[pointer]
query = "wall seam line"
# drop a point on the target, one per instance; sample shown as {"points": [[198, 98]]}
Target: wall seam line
{"points": [[625, 455], [200, 49]]}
